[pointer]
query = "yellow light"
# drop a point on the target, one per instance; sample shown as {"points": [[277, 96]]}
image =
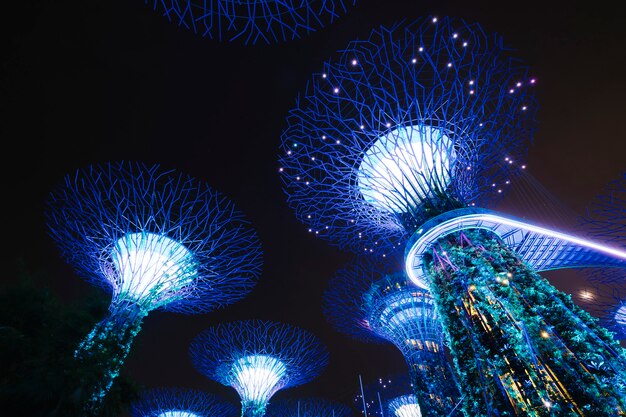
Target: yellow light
{"points": [[545, 334], [472, 287]]}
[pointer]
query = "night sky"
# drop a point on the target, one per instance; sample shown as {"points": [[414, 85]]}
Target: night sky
{"points": [[87, 82]]}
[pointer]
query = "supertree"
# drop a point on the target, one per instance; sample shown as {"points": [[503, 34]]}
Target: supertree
{"points": [[404, 406], [180, 402], [258, 358], [264, 21], [403, 135], [308, 407], [605, 221], [370, 302], [390, 397], [155, 239]]}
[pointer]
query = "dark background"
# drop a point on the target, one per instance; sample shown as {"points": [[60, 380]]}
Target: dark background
{"points": [[87, 82]]}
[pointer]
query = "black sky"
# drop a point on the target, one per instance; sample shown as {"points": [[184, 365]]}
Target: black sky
{"points": [[88, 82]]}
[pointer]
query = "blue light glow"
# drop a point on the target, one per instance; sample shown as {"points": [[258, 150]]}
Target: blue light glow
{"points": [[176, 413], [404, 167], [151, 263], [405, 406], [257, 377]]}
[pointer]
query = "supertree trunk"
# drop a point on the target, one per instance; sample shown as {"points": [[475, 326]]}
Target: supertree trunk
{"points": [[252, 409], [433, 382], [520, 346], [102, 353]]}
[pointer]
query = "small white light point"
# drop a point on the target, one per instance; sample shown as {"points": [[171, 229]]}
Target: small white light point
{"points": [[434, 20], [323, 75], [414, 61]]}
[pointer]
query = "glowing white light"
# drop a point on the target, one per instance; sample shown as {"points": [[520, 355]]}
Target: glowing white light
{"points": [[586, 295], [620, 316], [405, 406], [434, 20], [421, 49], [336, 90], [406, 166], [177, 413], [323, 75], [414, 60], [148, 263], [354, 62], [257, 377], [409, 410]]}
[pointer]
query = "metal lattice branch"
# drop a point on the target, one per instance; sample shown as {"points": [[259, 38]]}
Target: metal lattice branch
{"points": [[308, 407], [257, 358], [180, 402], [157, 238], [263, 21], [418, 119], [343, 300]]}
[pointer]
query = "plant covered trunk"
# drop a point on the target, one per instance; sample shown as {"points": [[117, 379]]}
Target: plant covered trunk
{"points": [[102, 353], [432, 379], [520, 346]]}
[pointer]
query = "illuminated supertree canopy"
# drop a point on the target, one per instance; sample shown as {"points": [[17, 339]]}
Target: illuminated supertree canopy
{"points": [[404, 406], [258, 358], [154, 239], [367, 303], [416, 120], [308, 407], [263, 21], [179, 402]]}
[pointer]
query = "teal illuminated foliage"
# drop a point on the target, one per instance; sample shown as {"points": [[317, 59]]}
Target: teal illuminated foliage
{"points": [[520, 346]]}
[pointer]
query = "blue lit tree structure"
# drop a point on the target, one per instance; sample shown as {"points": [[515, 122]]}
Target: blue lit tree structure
{"points": [[407, 134], [263, 21], [258, 358], [415, 121], [308, 407], [605, 221], [154, 239], [367, 303], [404, 406], [391, 397], [179, 402]]}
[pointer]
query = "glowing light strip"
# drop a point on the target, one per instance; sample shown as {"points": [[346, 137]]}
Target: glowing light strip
{"points": [[413, 260]]}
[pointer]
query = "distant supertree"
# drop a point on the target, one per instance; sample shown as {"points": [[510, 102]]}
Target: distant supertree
{"points": [[308, 407], [258, 358], [404, 406], [264, 21], [402, 135], [605, 221], [390, 396], [368, 303], [154, 239], [179, 402]]}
